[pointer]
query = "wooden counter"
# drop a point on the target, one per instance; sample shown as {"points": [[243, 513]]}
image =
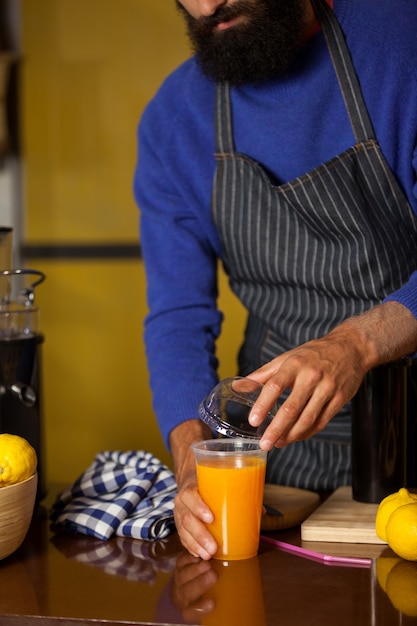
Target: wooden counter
{"points": [[69, 580]]}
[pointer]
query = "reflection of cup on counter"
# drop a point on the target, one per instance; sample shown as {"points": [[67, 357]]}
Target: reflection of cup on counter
{"points": [[237, 594], [231, 477]]}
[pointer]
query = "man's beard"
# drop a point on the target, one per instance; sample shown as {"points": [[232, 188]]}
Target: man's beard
{"points": [[261, 47]]}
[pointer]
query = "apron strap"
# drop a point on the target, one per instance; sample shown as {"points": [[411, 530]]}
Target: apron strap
{"points": [[345, 72], [224, 127]]}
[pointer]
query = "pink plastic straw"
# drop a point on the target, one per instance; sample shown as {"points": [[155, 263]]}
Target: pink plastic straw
{"points": [[344, 561]]}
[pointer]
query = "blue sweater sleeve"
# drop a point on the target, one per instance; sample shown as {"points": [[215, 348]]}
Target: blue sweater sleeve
{"points": [[179, 249]]}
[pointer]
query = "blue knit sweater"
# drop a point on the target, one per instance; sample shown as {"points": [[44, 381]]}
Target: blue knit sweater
{"points": [[289, 125]]}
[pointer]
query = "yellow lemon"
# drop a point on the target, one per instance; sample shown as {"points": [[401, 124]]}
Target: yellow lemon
{"points": [[384, 566], [402, 531], [402, 587], [17, 459], [387, 506]]}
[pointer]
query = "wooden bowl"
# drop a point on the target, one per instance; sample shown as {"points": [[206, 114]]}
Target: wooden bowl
{"points": [[17, 503]]}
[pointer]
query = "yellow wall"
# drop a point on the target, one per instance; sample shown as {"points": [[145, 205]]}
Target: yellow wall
{"points": [[88, 68]]}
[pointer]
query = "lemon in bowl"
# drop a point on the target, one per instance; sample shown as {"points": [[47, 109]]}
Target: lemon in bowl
{"points": [[18, 484]]}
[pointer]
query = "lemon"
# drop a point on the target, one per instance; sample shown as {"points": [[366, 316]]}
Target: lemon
{"points": [[402, 531], [402, 587], [387, 506], [17, 459]]}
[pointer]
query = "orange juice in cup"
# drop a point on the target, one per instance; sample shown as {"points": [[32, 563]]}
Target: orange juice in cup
{"points": [[231, 478]]}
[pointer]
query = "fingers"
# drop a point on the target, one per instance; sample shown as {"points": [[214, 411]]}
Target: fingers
{"points": [[307, 410], [310, 421], [191, 516], [299, 413], [320, 384]]}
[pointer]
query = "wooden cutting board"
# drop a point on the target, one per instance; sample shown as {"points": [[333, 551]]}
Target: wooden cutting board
{"points": [[342, 519], [294, 504]]}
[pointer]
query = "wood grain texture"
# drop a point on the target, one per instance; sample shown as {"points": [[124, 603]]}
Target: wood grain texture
{"points": [[294, 504], [342, 519]]}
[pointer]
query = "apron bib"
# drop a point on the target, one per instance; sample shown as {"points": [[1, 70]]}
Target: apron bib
{"points": [[305, 255]]}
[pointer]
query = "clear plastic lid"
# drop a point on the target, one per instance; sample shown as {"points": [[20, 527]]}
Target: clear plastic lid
{"points": [[226, 409]]}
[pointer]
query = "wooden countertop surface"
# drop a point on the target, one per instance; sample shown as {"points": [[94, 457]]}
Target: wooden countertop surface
{"points": [[72, 580]]}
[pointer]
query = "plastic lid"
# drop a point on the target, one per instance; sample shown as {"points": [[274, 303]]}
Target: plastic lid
{"points": [[226, 409]]}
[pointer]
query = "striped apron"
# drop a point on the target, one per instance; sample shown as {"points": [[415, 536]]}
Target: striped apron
{"points": [[305, 255]]}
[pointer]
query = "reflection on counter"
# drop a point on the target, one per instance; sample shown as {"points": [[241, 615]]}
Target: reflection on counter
{"points": [[129, 558], [215, 592], [237, 594], [81, 577], [398, 578]]}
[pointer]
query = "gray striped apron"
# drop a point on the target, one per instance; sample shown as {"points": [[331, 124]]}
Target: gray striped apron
{"points": [[307, 254]]}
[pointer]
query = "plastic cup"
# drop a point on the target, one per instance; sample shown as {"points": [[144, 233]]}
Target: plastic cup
{"points": [[231, 479], [227, 407]]}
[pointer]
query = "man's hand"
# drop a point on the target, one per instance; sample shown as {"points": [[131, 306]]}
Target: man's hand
{"points": [[324, 374], [191, 513]]}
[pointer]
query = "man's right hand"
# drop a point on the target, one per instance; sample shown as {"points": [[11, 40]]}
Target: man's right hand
{"points": [[191, 513]]}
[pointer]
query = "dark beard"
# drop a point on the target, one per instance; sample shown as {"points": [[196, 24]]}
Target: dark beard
{"points": [[261, 48]]}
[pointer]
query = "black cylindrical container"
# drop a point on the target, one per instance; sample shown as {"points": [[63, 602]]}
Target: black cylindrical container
{"points": [[411, 449], [379, 433]]}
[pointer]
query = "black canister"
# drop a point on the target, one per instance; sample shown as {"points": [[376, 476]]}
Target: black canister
{"points": [[384, 431], [411, 449]]}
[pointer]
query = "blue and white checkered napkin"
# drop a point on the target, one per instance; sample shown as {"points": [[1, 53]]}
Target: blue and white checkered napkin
{"points": [[129, 494]]}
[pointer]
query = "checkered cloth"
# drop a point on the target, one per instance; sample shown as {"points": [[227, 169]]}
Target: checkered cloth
{"points": [[129, 494]]}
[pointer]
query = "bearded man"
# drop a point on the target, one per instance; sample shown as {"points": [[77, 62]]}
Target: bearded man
{"points": [[286, 148]]}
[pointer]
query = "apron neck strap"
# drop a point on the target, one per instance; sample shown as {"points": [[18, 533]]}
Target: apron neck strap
{"points": [[224, 126], [345, 72]]}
